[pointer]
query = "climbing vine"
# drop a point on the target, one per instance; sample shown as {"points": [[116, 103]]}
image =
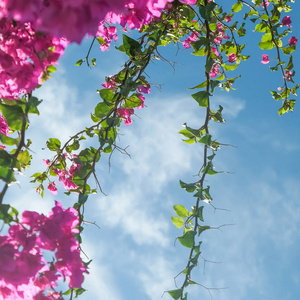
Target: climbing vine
{"points": [[33, 38]]}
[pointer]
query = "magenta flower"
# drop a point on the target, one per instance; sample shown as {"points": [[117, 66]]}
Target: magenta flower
{"points": [[265, 59], [228, 19], [293, 41], [52, 187], [215, 51], [265, 2], [3, 126], [288, 75], [215, 70], [231, 57], [144, 89], [287, 21], [125, 113]]}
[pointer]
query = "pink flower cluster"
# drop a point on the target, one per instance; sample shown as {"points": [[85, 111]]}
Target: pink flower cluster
{"points": [[126, 113], [4, 129], [70, 19], [24, 273], [24, 57], [192, 38], [64, 175]]}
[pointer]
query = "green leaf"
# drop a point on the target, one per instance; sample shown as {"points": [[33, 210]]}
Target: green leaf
{"points": [[7, 175], [131, 46], [79, 62], [187, 240], [189, 187], [175, 294], [202, 98], [32, 105], [6, 140], [4, 215], [200, 213], [288, 50], [178, 222], [230, 67], [24, 158], [206, 11], [181, 211], [202, 228], [53, 144], [132, 102], [13, 115], [237, 7], [186, 133], [290, 64], [93, 62], [206, 140], [266, 45], [82, 198], [107, 94], [102, 110]]}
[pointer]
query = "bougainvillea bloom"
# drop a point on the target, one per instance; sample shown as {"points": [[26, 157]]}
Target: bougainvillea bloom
{"points": [[293, 41], [231, 57], [265, 3], [287, 21], [288, 76], [265, 59], [215, 70], [125, 113], [228, 19], [52, 188]]}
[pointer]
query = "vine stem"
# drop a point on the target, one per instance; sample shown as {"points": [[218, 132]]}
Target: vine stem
{"points": [[201, 181], [20, 146], [276, 45]]}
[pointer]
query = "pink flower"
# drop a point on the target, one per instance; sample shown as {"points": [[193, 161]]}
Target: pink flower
{"points": [[144, 89], [288, 75], [125, 113], [228, 19], [215, 70], [265, 2], [287, 21], [293, 41], [142, 98], [109, 83], [231, 57], [265, 59], [3, 126], [215, 51], [52, 187]]}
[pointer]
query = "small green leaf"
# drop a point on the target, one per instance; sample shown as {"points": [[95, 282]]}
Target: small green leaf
{"points": [[189, 187], [237, 7], [82, 198], [266, 45], [181, 211], [53, 144], [175, 294], [200, 213], [79, 62], [178, 222], [131, 46], [13, 115], [202, 98], [187, 240], [102, 110], [107, 94]]}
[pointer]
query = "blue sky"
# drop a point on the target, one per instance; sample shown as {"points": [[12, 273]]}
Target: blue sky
{"points": [[133, 253]]}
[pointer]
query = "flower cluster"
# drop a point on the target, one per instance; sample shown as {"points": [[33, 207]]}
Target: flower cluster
{"points": [[24, 57], [64, 175], [126, 113], [24, 273]]}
